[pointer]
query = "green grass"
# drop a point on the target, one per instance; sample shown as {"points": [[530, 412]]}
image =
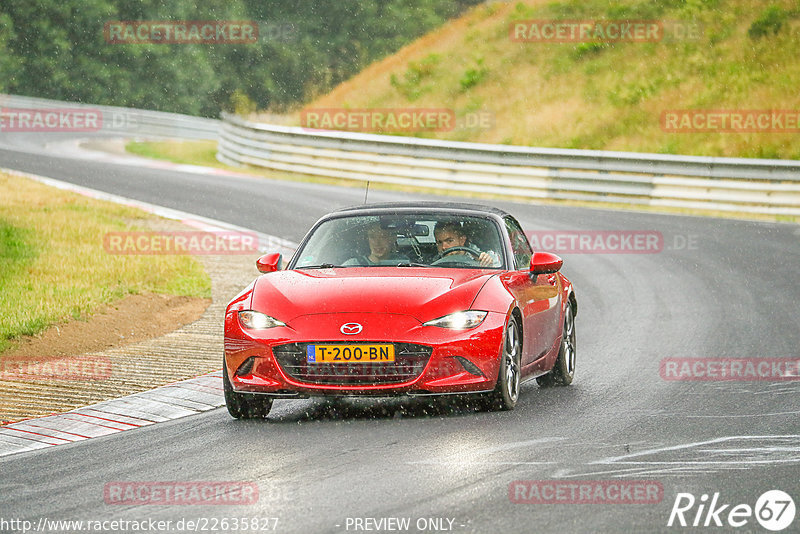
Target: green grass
{"points": [[744, 55], [53, 266], [192, 153], [16, 251]]}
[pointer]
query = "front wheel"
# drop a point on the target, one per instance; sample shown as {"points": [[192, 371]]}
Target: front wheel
{"points": [[506, 391], [244, 405], [564, 369]]}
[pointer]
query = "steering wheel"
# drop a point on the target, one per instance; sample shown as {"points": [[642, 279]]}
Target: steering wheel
{"points": [[442, 255]]}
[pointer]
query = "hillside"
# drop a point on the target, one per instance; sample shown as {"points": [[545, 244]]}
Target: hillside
{"points": [[738, 55]]}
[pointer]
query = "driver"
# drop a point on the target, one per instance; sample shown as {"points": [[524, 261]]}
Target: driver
{"points": [[381, 248], [450, 234]]}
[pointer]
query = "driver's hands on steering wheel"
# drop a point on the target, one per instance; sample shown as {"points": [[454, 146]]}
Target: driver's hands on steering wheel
{"points": [[483, 258]]}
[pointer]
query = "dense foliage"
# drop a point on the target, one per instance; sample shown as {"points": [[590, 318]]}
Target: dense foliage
{"points": [[57, 49]]}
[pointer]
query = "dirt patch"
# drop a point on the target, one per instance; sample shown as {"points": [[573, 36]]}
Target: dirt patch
{"points": [[132, 345], [134, 318], [137, 343], [115, 336]]}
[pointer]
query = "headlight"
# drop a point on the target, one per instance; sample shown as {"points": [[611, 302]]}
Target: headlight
{"points": [[254, 320], [459, 320]]}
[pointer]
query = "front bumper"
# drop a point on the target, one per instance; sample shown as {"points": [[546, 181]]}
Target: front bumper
{"points": [[430, 360]]}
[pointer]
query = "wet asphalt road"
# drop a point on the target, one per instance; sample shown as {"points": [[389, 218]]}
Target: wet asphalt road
{"points": [[719, 288]]}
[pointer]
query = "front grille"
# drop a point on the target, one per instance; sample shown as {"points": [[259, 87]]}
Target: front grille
{"points": [[410, 361]]}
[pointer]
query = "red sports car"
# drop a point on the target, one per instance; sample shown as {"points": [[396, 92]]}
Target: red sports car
{"points": [[401, 299]]}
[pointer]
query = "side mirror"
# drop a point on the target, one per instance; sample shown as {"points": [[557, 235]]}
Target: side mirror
{"points": [[269, 263], [545, 263]]}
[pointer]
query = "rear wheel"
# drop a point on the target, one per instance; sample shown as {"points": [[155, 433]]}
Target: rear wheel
{"points": [[564, 369], [506, 391], [244, 405]]}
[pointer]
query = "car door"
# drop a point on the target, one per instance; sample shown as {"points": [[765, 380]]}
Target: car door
{"points": [[537, 296]]}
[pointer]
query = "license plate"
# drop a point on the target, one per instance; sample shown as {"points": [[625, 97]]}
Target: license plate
{"points": [[350, 353]]}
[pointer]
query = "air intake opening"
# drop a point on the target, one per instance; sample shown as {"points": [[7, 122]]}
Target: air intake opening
{"points": [[468, 366], [246, 367], [410, 361]]}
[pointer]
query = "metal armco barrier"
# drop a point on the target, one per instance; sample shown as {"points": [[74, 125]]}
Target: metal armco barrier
{"points": [[724, 184], [125, 121]]}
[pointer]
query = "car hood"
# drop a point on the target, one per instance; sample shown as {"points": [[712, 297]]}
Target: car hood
{"points": [[423, 293]]}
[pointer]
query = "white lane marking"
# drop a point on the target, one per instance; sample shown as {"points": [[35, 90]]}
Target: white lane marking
{"points": [[751, 449], [662, 472], [635, 471], [702, 458], [473, 462], [731, 461], [725, 416], [686, 446]]}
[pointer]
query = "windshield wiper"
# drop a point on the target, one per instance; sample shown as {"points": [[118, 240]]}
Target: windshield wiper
{"points": [[321, 266], [412, 264]]}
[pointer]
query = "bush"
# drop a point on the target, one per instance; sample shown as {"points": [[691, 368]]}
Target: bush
{"points": [[418, 71], [588, 49], [473, 76], [770, 21], [241, 104]]}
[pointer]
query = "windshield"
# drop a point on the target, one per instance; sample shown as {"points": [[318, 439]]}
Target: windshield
{"points": [[423, 240]]}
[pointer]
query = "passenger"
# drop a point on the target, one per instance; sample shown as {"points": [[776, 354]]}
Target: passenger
{"points": [[382, 250]]}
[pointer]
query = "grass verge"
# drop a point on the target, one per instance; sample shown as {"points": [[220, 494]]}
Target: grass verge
{"points": [[183, 152], [53, 265]]}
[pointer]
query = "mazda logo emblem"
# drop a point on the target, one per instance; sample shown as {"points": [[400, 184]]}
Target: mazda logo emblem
{"points": [[350, 329]]}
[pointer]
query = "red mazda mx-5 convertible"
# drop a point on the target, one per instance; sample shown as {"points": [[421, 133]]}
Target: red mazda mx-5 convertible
{"points": [[401, 299]]}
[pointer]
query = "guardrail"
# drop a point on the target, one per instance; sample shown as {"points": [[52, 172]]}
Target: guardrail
{"points": [[124, 121], [723, 184]]}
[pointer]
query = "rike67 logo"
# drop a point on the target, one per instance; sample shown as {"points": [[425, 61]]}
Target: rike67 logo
{"points": [[774, 510]]}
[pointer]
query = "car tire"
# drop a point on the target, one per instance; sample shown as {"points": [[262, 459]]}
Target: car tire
{"points": [[506, 391], [563, 371], [244, 405]]}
